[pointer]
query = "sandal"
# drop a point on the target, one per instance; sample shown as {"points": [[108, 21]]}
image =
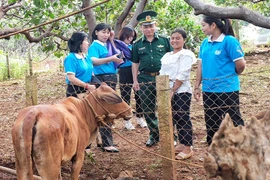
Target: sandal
{"points": [[182, 156], [179, 148]]}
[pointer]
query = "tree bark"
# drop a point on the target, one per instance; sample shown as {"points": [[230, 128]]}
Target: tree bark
{"points": [[230, 12], [120, 20], [240, 153], [139, 9], [90, 17]]}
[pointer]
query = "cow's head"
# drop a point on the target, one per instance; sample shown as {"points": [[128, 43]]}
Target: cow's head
{"points": [[110, 104]]}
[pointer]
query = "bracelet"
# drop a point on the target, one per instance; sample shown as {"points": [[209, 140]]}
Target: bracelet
{"points": [[86, 86]]}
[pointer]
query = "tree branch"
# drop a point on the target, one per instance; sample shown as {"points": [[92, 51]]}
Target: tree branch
{"points": [[123, 16], [5, 8], [256, 1], [241, 13], [140, 7]]}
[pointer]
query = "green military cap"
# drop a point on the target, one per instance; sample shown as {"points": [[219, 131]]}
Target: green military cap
{"points": [[147, 17]]}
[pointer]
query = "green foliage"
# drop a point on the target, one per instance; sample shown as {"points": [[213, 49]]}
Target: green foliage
{"points": [[11, 1], [17, 70]]}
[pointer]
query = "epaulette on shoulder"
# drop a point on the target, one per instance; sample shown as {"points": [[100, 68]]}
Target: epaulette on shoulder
{"points": [[137, 40], [163, 36]]}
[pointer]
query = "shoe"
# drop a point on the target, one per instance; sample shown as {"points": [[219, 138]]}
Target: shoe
{"points": [[151, 143], [129, 126], [110, 149], [141, 122], [182, 156], [174, 143]]}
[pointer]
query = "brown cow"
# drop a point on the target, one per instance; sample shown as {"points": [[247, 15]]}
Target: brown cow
{"points": [[50, 135]]}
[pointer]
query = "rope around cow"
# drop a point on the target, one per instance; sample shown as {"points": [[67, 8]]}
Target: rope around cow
{"points": [[164, 157], [100, 119]]}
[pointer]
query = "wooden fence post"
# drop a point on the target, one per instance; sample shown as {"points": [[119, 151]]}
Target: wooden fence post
{"points": [[166, 127], [8, 65], [30, 82], [31, 90]]}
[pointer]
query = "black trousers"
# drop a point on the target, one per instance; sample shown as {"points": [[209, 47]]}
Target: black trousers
{"points": [[216, 105], [73, 90], [106, 133], [181, 117], [126, 81]]}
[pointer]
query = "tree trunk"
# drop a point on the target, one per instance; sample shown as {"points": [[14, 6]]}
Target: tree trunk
{"points": [[240, 153], [8, 66], [90, 18]]}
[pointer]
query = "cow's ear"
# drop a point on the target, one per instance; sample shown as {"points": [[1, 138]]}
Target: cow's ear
{"points": [[110, 98]]}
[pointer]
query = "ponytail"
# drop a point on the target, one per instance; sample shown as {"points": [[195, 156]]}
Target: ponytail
{"points": [[223, 24]]}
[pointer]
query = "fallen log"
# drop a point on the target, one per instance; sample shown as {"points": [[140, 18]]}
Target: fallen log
{"points": [[13, 172], [240, 153]]}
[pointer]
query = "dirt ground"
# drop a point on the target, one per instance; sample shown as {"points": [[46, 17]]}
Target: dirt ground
{"points": [[132, 161]]}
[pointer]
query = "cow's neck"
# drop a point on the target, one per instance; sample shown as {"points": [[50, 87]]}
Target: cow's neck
{"points": [[89, 116]]}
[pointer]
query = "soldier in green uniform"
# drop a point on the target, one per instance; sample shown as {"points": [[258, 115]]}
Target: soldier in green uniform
{"points": [[146, 54]]}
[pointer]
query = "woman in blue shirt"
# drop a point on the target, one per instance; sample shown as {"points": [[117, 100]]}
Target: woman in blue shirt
{"points": [[221, 60], [78, 66], [104, 55]]}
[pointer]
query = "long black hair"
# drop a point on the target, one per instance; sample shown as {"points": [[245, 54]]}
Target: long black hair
{"points": [[100, 27], [74, 43], [223, 24]]}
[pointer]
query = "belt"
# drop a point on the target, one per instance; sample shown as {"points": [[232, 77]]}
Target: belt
{"points": [[106, 75], [150, 73]]}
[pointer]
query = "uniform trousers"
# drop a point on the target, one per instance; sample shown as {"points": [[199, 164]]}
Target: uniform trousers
{"points": [[147, 94]]}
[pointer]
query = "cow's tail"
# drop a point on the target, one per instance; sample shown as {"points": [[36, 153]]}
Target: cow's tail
{"points": [[23, 134]]}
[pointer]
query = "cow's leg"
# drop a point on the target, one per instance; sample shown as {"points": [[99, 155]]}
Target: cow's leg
{"points": [[49, 169], [47, 157], [77, 163], [23, 171], [22, 146]]}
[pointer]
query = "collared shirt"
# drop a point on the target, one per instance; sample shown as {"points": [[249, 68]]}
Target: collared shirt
{"points": [[178, 66], [81, 67], [218, 64], [99, 49], [148, 54]]}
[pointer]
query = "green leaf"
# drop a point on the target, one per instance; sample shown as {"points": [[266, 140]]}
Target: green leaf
{"points": [[11, 1]]}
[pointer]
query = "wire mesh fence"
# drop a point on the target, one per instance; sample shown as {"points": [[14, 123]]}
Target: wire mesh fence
{"points": [[132, 160]]}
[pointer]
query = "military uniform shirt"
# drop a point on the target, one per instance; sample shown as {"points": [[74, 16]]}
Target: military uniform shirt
{"points": [[148, 54]]}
